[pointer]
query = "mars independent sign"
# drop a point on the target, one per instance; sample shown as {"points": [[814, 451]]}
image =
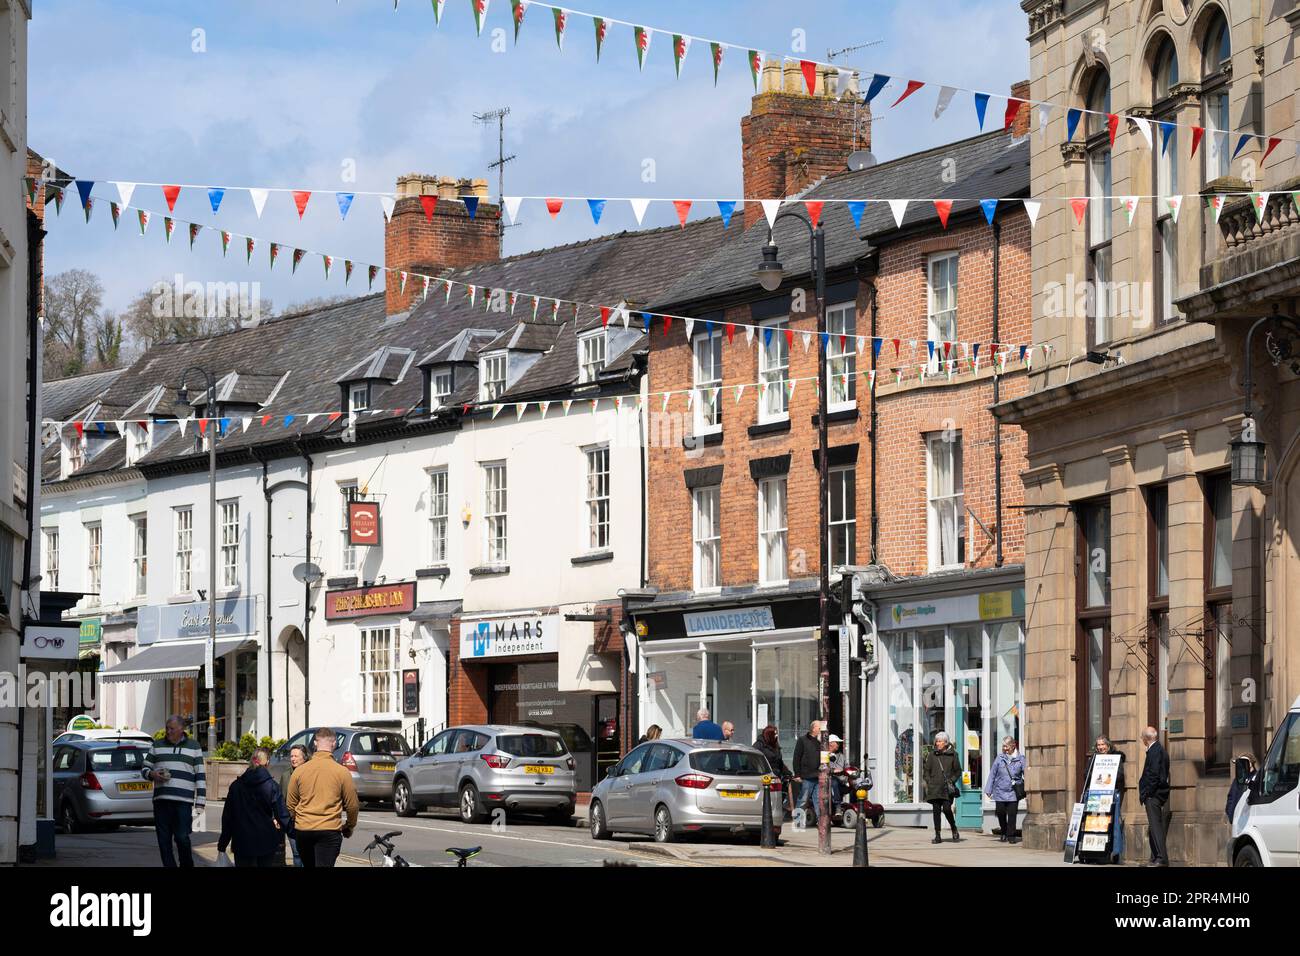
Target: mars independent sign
{"points": [[365, 602]]}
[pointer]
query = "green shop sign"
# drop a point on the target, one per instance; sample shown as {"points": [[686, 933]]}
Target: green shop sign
{"points": [[92, 630]]}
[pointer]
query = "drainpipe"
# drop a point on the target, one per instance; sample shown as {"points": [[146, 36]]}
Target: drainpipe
{"points": [[306, 603], [997, 423], [873, 424], [270, 676]]}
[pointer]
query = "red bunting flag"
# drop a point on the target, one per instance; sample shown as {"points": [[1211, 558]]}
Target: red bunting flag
{"points": [[1197, 133], [789, 338], [1013, 110], [80, 427], [1272, 145], [203, 426], [1080, 206], [683, 207], [170, 193], [943, 207], [300, 197], [731, 332], [604, 316], [1112, 124], [668, 323], [814, 211], [428, 202], [265, 419], [912, 87], [334, 416], [809, 69], [553, 206], [897, 343]]}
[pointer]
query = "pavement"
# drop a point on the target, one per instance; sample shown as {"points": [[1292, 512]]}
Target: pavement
{"points": [[522, 843]]}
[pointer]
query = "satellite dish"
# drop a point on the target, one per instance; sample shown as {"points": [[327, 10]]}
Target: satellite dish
{"points": [[861, 159], [308, 573]]}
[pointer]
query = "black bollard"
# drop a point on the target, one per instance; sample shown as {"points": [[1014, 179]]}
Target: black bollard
{"points": [[860, 857], [767, 838]]}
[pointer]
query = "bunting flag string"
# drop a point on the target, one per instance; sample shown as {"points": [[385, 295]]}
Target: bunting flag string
{"points": [[593, 309]]}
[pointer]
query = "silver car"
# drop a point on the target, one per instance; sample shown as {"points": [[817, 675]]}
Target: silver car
{"points": [[99, 783], [370, 755], [482, 768], [668, 788]]}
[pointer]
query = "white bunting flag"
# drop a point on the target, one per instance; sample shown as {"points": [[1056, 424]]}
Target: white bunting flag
{"points": [[690, 399], [639, 207], [690, 325], [124, 191], [1031, 210], [259, 200], [843, 82], [946, 94], [244, 423], [311, 416], [898, 207], [1044, 114], [807, 341], [512, 207], [386, 203], [1144, 127], [770, 207], [749, 334], [624, 314], [184, 424]]}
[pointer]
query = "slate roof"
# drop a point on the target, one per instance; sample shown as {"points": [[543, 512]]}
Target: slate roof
{"points": [[64, 397], [729, 271]]}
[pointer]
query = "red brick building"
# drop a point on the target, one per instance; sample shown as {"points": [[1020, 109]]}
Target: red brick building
{"points": [[924, 487]]}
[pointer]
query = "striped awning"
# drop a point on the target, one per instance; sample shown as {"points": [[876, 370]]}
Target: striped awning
{"points": [[170, 659]]}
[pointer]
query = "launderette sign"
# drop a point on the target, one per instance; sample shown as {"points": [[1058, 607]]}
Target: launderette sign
{"points": [[702, 623]]}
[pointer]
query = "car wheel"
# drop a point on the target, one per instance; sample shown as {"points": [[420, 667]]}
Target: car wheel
{"points": [[596, 821], [68, 818], [850, 819], [878, 822], [471, 808], [403, 805], [562, 817], [663, 825], [1247, 856]]}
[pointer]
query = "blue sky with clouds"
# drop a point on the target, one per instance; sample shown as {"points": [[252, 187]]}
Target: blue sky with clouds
{"points": [[292, 93]]}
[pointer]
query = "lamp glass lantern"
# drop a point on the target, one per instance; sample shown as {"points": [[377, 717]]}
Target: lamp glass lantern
{"points": [[769, 272], [1248, 456]]}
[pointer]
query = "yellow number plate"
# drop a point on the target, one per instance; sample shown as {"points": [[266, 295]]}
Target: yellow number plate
{"points": [[538, 768], [739, 794], [383, 767], [133, 787]]}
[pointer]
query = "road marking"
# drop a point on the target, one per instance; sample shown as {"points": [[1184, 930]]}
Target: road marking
{"points": [[522, 839]]}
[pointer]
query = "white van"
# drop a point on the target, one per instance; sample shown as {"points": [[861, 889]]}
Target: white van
{"points": [[1266, 821]]}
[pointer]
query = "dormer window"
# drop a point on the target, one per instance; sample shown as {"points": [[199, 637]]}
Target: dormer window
{"points": [[591, 356], [74, 454], [492, 377], [358, 397], [440, 385], [138, 441]]}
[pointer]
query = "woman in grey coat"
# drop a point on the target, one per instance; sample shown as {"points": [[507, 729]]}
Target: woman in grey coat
{"points": [[1007, 770]]}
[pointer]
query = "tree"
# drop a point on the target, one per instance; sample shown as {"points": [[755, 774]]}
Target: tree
{"points": [[73, 300], [108, 340]]}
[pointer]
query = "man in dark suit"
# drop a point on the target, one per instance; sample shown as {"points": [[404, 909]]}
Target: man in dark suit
{"points": [[1153, 791]]}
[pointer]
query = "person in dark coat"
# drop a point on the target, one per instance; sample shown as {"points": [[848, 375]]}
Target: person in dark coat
{"points": [[1007, 770], [769, 745], [254, 808], [1153, 792], [1240, 785], [807, 766], [939, 780]]}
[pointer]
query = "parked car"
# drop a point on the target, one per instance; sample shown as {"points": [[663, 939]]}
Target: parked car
{"points": [[667, 788], [125, 735], [368, 753], [1266, 820], [481, 768], [100, 783]]}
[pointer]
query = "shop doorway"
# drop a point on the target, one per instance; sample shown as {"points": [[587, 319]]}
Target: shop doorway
{"points": [[294, 679], [729, 683], [608, 735], [968, 719]]}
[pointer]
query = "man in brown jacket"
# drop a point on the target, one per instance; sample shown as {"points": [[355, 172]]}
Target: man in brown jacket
{"points": [[323, 803]]}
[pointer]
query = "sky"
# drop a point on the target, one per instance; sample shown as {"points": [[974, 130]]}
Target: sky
{"points": [[309, 94]]}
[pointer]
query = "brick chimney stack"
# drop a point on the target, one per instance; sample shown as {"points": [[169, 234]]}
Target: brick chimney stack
{"points": [[414, 243], [790, 140], [1020, 127]]}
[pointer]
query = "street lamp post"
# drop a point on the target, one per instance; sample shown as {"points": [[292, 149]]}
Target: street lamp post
{"points": [[770, 274], [1247, 449], [209, 655]]}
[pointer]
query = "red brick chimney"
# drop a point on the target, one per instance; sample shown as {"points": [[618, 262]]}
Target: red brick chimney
{"points": [[790, 139], [1020, 127], [416, 242]]}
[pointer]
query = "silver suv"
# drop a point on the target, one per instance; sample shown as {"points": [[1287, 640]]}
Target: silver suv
{"points": [[478, 769], [673, 787]]}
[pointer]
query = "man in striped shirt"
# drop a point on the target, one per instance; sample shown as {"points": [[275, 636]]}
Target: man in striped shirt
{"points": [[175, 765]]}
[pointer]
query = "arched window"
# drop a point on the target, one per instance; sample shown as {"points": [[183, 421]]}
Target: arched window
{"points": [[1100, 277], [1164, 77], [1164, 74], [1216, 57]]}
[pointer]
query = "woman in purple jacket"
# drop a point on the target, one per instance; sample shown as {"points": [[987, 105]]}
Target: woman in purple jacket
{"points": [[1007, 770]]}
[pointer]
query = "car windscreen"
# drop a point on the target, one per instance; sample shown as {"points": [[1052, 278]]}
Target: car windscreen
{"points": [[385, 744], [730, 763], [119, 758], [531, 745]]}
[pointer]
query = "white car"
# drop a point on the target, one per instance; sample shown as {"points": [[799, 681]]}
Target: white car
{"points": [[1266, 820], [132, 736]]}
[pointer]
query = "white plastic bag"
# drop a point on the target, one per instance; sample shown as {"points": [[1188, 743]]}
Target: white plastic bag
{"points": [[223, 860]]}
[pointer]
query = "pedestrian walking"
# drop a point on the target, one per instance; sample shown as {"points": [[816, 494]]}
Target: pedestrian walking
{"points": [[175, 765], [1153, 792], [728, 730], [769, 745], [807, 767], [297, 757], [255, 819], [1005, 786], [653, 732], [1104, 746], [940, 774], [324, 805], [1240, 782], [705, 729]]}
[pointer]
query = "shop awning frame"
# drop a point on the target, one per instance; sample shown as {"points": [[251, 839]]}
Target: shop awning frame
{"points": [[169, 659]]}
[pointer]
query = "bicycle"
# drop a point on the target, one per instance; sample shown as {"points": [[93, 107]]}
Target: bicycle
{"points": [[391, 857]]}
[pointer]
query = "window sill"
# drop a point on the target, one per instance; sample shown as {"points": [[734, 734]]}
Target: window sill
{"points": [[341, 582], [838, 417], [592, 557], [716, 589], [488, 570], [769, 428], [703, 440], [434, 571], [182, 598]]}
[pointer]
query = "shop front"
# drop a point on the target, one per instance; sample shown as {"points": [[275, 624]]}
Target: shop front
{"points": [[555, 669], [949, 660], [359, 671]]}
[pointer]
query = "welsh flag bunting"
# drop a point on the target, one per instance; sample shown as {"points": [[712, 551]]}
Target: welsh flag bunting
{"points": [[401, 285], [755, 66], [642, 37], [371, 272], [58, 197], [565, 405], [30, 184], [602, 28], [480, 14], [1216, 203], [347, 271], [327, 261], [297, 258], [1130, 204], [1259, 202], [740, 390], [555, 309], [194, 233], [536, 303], [115, 211], [681, 46], [249, 242], [561, 21], [470, 292], [513, 298], [715, 49], [446, 289], [275, 253], [437, 11], [517, 10], [86, 207], [424, 292], [169, 226], [142, 216]]}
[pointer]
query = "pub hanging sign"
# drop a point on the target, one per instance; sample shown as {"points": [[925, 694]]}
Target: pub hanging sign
{"points": [[363, 524]]}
